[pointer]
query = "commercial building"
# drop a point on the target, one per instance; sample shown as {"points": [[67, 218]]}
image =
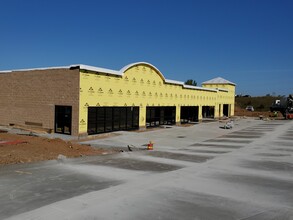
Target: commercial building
{"points": [[83, 100]]}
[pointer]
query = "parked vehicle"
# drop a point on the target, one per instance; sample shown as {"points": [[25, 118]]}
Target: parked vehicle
{"points": [[250, 108]]}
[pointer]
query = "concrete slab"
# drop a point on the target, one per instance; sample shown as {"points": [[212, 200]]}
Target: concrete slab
{"points": [[276, 188], [25, 189], [245, 183], [283, 143], [207, 151], [134, 164], [247, 133], [241, 136], [269, 165], [179, 156], [212, 145], [225, 140], [287, 137], [283, 149], [273, 155]]}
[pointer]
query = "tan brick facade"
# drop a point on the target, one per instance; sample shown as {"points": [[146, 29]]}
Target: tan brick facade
{"points": [[29, 97]]}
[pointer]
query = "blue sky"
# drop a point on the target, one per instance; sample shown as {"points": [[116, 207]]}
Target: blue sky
{"points": [[249, 42]]}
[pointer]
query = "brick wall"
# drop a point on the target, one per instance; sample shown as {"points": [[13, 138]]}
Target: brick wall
{"points": [[31, 96]]}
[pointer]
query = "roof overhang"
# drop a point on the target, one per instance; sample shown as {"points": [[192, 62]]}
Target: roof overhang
{"points": [[124, 69]]}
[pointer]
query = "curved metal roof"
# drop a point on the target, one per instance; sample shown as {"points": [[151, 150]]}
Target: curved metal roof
{"points": [[144, 63]]}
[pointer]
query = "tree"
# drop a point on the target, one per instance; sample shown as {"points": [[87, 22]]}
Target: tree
{"points": [[191, 82]]}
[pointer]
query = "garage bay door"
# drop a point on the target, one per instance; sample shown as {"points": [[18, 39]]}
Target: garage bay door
{"points": [[208, 111], [189, 114], [156, 116], [107, 119]]}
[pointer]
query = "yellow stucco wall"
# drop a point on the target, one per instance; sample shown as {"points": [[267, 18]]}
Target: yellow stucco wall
{"points": [[142, 85], [224, 97]]}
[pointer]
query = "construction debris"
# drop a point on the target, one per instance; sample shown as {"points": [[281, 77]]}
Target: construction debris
{"points": [[149, 146], [229, 124]]}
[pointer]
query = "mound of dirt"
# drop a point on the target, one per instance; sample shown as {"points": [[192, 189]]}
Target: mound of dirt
{"points": [[24, 149]]}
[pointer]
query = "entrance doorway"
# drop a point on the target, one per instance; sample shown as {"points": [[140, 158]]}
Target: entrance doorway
{"points": [[226, 110], [208, 111], [189, 114], [107, 119], [156, 116], [63, 116]]}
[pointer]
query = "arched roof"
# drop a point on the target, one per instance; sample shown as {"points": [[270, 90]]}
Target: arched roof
{"points": [[125, 68]]}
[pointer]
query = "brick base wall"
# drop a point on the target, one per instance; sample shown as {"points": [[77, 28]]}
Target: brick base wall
{"points": [[29, 97]]}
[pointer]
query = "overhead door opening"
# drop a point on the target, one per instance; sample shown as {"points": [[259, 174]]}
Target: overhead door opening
{"points": [[189, 114], [208, 111], [156, 116], [107, 119], [226, 110]]}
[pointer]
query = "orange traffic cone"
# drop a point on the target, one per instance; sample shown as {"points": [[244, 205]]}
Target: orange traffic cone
{"points": [[150, 146]]}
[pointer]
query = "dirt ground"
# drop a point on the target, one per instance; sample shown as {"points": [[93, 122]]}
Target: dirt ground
{"points": [[244, 112], [24, 149]]}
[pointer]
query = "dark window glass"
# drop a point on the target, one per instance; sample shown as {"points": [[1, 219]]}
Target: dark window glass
{"points": [[208, 111], [135, 117], [123, 118], [160, 115], [189, 114], [63, 118], [116, 118], [109, 119], [100, 113], [106, 119], [129, 118]]}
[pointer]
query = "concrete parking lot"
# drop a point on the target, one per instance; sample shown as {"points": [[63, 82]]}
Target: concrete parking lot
{"points": [[197, 172]]}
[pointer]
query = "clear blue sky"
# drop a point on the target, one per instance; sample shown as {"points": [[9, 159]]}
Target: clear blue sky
{"points": [[249, 42]]}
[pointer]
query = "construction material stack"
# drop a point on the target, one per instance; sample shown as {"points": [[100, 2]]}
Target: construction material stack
{"points": [[286, 109]]}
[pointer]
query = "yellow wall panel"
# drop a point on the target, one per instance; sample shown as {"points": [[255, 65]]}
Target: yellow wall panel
{"points": [[142, 85]]}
